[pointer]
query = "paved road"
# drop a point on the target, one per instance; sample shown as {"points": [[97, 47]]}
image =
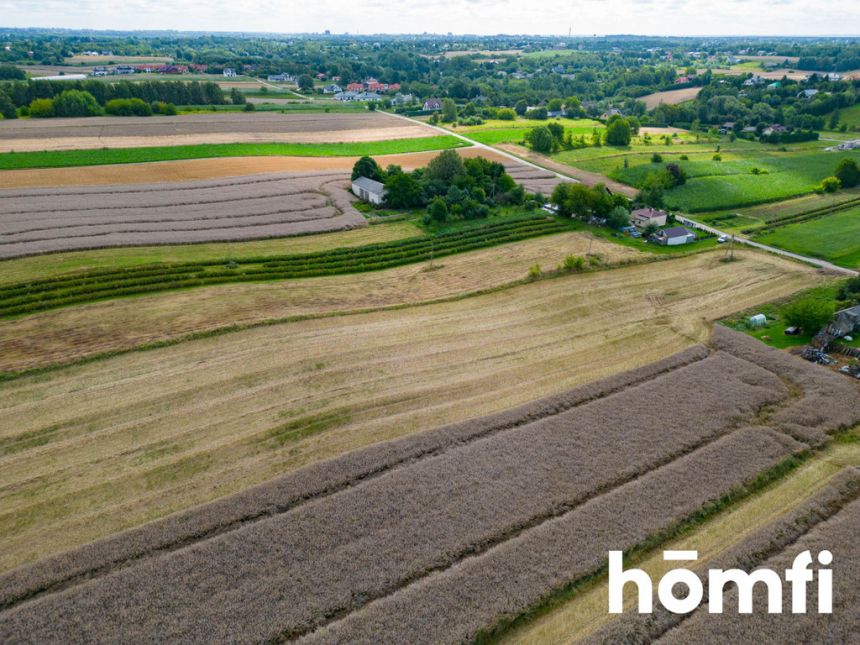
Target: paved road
{"points": [[823, 264]]}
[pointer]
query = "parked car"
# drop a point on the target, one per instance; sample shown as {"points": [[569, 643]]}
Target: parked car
{"points": [[722, 239], [792, 331]]}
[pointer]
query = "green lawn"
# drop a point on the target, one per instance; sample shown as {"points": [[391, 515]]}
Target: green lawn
{"points": [[495, 131], [104, 156], [835, 238], [850, 116]]}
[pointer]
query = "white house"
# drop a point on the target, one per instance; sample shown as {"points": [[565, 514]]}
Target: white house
{"points": [[369, 190], [229, 72], [675, 236], [642, 217], [334, 88]]}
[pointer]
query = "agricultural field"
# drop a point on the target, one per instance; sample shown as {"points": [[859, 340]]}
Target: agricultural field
{"points": [[135, 446], [202, 128], [495, 131], [478, 520], [670, 97], [63, 219], [714, 185], [835, 238]]}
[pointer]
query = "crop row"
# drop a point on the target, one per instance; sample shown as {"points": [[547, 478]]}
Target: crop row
{"points": [[281, 494], [838, 535], [92, 285], [289, 573], [749, 554]]}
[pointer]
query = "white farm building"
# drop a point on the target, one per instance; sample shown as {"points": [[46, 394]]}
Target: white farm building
{"points": [[369, 190]]}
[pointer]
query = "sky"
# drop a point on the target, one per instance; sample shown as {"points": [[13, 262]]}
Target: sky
{"points": [[541, 17]]}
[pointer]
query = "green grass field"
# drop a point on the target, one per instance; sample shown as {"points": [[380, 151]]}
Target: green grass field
{"points": [[835, 238], [106, 156], [495, 131], [719, 185], [850, 116]]}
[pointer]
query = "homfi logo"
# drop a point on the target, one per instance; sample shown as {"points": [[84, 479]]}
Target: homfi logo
{"points": [[798, 576]]}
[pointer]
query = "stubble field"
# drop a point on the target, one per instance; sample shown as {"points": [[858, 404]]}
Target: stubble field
{"points": [[93, 449]]}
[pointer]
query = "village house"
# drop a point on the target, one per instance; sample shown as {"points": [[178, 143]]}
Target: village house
{"points": [[281, 78], [642, 217], [334, 88], [846, 321], [369, 190], [610, 112], [807, 94], [432, 105], [674, 236], [402, 99], [354, 87], [229, 72]]}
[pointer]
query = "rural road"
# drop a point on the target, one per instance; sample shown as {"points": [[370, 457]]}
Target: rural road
{"points": [[822, 264]]}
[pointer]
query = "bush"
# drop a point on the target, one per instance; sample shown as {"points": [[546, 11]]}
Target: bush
{"points": [[828, 185], [809, 314], [717, 157], [574, 263], [540, 139], [506, 114], [656, 158], [684, 158], [847, 173], [249, 107], [535, 272], [128, 107], [160, 107], [618, 133], [438, 210], [41, 108], [7, 107], [76, 103]]}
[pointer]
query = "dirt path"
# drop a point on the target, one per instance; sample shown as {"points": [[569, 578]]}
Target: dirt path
{"points": [[587, 178]]}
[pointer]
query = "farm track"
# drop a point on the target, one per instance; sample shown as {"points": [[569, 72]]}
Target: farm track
{"points": [[526, 486]]}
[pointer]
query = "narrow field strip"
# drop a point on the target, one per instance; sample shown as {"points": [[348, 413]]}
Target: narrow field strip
{"points": [[110, 156], [40, 295]]}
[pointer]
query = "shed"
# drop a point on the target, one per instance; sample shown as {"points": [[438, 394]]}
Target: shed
{"points": [[369, 190], [758, 320], [847, 321], [675, 236]]}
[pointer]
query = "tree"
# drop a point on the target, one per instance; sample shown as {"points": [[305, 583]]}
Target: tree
{"points": [[11, 73], [438, 210], [402, 190], [76, 103], [675, 175], [572, 106], [618, 217], [7, 107], [809, 314], [449, 111], [554, 105], [506, 114], [520, 107], [573, 199], [367, 167], [847, 172], [237, 97], [557, 130], [128, 107], [618, 133], [540, 139], [306, 83], [41, 108], [834, 120], [445, 166], [651, 193]]}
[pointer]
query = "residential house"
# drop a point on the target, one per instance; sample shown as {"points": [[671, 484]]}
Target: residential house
{"points": [[682, 79], [432, 105], [776, 128], [369, 190], [123, 69], [726, 127], [846, 321], [642, 217], [402, 99], [610, 112], [229, 72], [334, 88], [354, 87], [754, 80], [807, 94], [281, 78], [674, 236], [100, 71]]}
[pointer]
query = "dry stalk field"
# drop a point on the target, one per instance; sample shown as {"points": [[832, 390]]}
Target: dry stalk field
{"points": [[670, 97], [218, 168], [202, 128], [433, 537], [72, 333], [89, 450], [61, 219]]}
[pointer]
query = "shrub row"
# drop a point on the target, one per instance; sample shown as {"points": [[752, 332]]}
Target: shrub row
{"points": [[802, 217], [45, 294]]}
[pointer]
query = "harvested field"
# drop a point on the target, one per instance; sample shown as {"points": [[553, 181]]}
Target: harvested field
{"points": [[63, 219], [185, 170], [454, 529], [670, 97], [149, 433], [55, 337], [202, 128]]}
